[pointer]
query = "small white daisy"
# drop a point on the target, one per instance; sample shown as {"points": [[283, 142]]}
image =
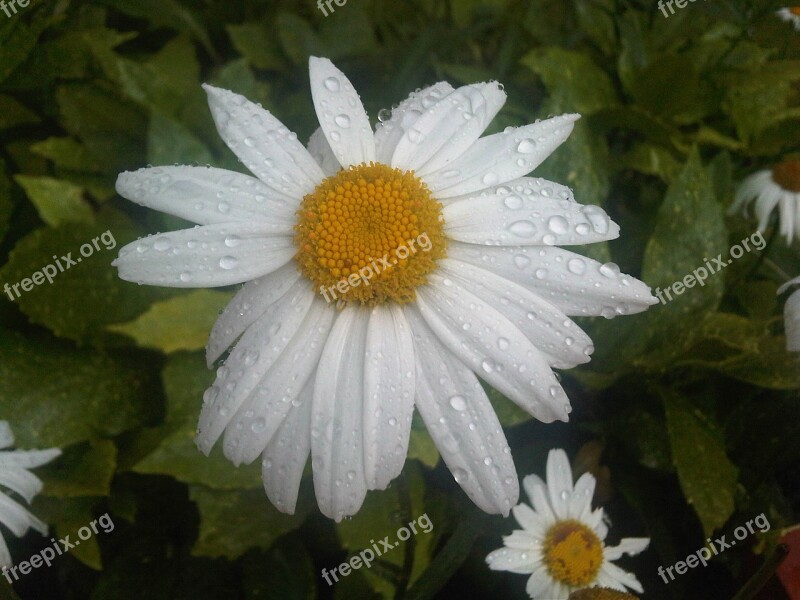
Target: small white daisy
{"points": [[485, 290], [16, 477], [791, 14], [779, 186], [791, 315], [561, 541]]}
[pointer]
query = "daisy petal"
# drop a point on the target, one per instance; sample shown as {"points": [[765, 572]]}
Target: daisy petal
{"points": [[748, 190], [791, 321], [462, 423], [559, 482], [768, 198], [320, 149], [337, 440], [629, 546], [620, 577], [523, 186], [538, 582], [448, 128], [28, 459], [531, 482], [580, 501], [513, 220], [247, 305], [205, 195], [6, 435], [554, 334], [251, 358], [205, 256], [264, 145], [265, 408], [509, 559], [388, 394], [5, 555], [341, 114], [594, 290], [501, 157], [491, 345], [389, 133], [21, 481], [530, 521], [286, 454], [18, 519], [523, 539]]}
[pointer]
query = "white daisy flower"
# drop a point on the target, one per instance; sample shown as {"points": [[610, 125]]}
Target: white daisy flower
{"points": [[561, 541], [16, 477], [791, 14], [438, 260], [791, 315], [779, 186]]}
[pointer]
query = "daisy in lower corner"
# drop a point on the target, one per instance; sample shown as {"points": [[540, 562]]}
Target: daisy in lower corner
{"points": [[15, 477], [778, 187], [561, 543], [791, 14], [383, 270]]}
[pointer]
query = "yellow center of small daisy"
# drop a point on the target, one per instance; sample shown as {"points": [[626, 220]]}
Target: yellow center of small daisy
{"points": [[573, 553], [369, 234], [787, 173]]}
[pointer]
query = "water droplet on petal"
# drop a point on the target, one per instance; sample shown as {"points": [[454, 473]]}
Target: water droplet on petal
{"points": [[521, 261], [458, 403], [259, 425], [342, 121], [460, 475], [513, 202], [576, 266], [527, 146], [522, 228], [558, 224], [332, 84], [228, 262], [610, 270]]}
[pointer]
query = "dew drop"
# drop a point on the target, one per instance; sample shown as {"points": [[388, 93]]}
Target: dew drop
{"points": [[521, 261], [460, 475], [489, 179], [522, 228], [342, 121], [162, 244], [458, 403], [576, 266], [527, 146], [228, 262], [332, 84], [558, 224], [513, 202], [610, 270], [503, 343], [259, 425], [232, 241]]}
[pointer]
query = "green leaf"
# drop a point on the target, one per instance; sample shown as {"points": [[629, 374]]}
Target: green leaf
{"points": [[180, 323], [56, 200], [256, 43], [6, 202], [420, 444], [85, 469], [690, 229], [12, 113], [19, 38], [67, 153], [113, 130], [286, 572], [173, 450], [69, 515], [707, 476], [233, 522], [170, 142], [90, 282], [574, 81], [57, 395]]}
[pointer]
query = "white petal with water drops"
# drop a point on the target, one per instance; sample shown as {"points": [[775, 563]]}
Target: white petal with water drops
{"points": [[320, 149], [247, 305], [473, 331], [206, 195], [501, 157], [337, 428], [341, 114], [251, 358], [388, 394], [264, 145], [465, 438], [205, 256]]}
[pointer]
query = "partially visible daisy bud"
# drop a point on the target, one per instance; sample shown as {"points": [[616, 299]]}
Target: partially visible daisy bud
{"points": [[16, 478], [791, 315], [601, 594], [791, 14], [779, 186]]}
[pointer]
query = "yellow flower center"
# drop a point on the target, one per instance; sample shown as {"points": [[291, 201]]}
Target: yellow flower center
{"points": [[787, 173], [795, 10], [573, 553], [369, 234], [600, 594]]}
